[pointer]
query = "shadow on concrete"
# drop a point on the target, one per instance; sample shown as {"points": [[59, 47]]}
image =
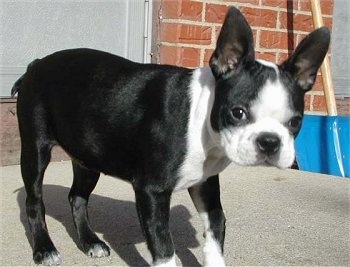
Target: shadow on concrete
{"points": [[118, 223]]}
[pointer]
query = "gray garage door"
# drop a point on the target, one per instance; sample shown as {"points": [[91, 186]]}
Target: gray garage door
{"points": [[341, 48], [33, 29]]}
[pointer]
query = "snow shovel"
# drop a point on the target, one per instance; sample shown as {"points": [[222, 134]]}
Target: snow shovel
{"points": [[323, 144]]}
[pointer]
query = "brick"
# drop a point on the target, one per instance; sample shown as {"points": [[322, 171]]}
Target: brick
{"points": [[307, 102], [217, 32], [343, 106], [207, 56], [281, 57], [180, 56], [255, 33], [274, 40], [328, 22], [256, 17], [260, 17], [275, 3], [288, 20], [318, 86], [186, 9], [170, 9], [326, 6], [252, 2], [301, 22], [304, 5], [266, 56], [215, 13], [319, 103], [183, 33]]}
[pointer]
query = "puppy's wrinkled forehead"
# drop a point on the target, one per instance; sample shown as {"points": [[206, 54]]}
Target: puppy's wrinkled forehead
{"points": [[273, 98]]}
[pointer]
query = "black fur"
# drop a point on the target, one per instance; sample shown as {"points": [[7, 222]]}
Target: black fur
{"points": [[86, 107], [132, 127]]}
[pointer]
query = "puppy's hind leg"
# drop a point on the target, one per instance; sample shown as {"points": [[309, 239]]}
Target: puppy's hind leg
{"points": [[206, 198], [84, 183], [35, 156]]}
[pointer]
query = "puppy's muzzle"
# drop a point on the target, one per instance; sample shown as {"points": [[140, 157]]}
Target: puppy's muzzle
{"points": [[268, 143]]}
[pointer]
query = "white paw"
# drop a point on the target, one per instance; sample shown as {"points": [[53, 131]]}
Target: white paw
{"points": [[214, 261], [212, 253], [98, 251], [166, 263], [52, 258]]}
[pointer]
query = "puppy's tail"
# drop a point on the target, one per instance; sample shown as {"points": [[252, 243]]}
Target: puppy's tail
{"points": [[17, 84]]}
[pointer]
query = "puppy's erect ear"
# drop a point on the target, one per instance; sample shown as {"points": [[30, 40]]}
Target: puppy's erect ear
{"points": [[307, 58], [235, 45]]}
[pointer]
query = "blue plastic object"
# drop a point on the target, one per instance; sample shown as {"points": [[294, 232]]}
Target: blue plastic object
{"points": [[323, 145]]}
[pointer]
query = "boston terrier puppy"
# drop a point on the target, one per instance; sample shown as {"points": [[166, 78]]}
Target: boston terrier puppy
{"points": [[162, 128]]}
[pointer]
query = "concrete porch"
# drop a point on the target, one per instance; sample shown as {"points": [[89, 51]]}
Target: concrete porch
{"points": [[274, 217]]}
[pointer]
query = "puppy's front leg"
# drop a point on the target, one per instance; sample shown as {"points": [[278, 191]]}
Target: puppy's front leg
{"points": [[206, 198], [153, 208]]}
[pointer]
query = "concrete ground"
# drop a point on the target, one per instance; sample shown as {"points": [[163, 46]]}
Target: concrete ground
{"points": [[274, 217]]}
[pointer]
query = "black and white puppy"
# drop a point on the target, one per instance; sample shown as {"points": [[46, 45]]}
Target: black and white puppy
{"points": [[162, 128]]}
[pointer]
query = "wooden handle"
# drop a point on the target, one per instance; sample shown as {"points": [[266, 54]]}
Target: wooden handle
{"points": [[325, 67]]}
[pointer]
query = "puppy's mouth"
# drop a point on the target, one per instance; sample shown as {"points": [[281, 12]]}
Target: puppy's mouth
{"points": [[272, 161], [251, 147], [264, 160], [279, 160]]}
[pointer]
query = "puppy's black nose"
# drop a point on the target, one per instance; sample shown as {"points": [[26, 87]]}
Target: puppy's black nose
{"points": [[268, 143]]}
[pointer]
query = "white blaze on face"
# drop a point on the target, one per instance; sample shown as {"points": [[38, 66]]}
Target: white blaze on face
{"points": [[272, 102], [269, 112]]}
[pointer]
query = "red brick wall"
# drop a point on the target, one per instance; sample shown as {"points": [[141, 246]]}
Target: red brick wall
{"points": [[189, 29]]}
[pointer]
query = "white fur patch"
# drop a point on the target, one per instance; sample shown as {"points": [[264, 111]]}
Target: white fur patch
{"points": [[272, 102], [203, 158], [268, 64], [211, 250], [53, 259], [167, 263], [270, 112]]}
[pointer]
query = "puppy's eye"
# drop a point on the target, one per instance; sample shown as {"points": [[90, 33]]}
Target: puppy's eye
{"points": [[239, 114], [295, 123]]}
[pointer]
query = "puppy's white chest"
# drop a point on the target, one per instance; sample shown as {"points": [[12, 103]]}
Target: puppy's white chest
{"points": [[204, 158], [198, 168]]}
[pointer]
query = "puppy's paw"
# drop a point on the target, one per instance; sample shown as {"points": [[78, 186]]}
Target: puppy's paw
{"points": [[166, 263], [212, 255], [47, 257], [214, 260], [97, 250]]}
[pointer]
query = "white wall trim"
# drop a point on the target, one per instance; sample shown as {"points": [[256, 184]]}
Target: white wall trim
{"points": [[8, 76], [147, 52]]}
